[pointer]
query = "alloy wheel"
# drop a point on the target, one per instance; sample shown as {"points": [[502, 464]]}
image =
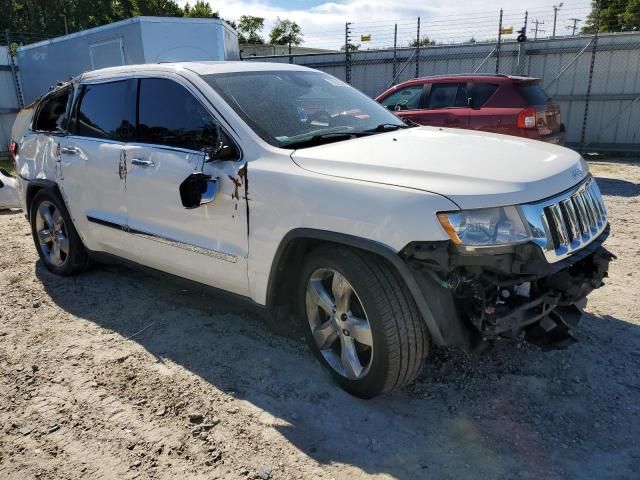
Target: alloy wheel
{"points": [[52, 234], [339, 323]]}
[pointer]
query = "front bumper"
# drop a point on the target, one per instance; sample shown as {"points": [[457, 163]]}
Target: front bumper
{"points": [[484, 296]]}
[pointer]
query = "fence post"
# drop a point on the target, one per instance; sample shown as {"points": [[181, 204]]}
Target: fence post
{"points": [[522, 49], [290, 56], [418, 50], [395, 52], [14, 70], [593, 61], [347, 54], [498, 46]]}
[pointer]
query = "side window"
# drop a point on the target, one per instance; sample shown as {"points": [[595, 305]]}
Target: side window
{"points": [[168, 114], [481, 93], [52, 115], [407, 98], [448, 95], [106, 111]]}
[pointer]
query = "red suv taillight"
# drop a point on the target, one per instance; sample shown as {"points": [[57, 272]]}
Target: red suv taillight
{"points": [[527, 118], [13, 149]]}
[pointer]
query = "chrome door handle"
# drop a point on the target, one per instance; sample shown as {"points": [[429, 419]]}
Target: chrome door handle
{"points": [[141, 162], [70, 150]]}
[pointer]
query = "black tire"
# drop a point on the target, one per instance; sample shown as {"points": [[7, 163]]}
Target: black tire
{"points": [[400, 337], [77, 259]]}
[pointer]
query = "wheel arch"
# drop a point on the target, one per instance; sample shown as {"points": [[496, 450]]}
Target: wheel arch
{"points": [[33, 188], [297, 242]]}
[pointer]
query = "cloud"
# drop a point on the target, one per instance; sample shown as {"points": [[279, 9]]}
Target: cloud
{"points": [[441, 20]]}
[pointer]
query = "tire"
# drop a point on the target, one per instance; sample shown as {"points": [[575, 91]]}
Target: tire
{"points": [[399, 337], [63, 234]]}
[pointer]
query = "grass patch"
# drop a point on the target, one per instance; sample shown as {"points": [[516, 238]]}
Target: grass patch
{"points": [[13, 279]]}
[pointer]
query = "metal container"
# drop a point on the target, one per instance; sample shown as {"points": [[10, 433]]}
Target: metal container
{"points": [[132, 41]]}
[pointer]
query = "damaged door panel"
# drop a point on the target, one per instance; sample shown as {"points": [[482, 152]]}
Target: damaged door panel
{"points": [[185, 192]]}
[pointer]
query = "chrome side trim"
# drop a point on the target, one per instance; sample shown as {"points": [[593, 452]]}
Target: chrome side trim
{"points": [[186, 246], [568, 222], [167, 241]]}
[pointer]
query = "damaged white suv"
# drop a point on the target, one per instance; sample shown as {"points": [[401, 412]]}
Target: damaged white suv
{"points": [[288, 187]]}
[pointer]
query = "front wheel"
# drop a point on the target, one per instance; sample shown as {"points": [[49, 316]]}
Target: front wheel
{"points": [[363, 324]]}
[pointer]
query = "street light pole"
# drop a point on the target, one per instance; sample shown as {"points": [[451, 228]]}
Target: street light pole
{"points": [[555, 17]]}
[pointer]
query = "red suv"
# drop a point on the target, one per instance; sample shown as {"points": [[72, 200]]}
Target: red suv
{"points": [[492, 103]]}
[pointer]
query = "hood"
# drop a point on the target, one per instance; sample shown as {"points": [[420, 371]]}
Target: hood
{"points": [[473, 169]]}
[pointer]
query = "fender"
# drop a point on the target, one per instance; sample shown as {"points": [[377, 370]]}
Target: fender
{"points": [[364, 244]]}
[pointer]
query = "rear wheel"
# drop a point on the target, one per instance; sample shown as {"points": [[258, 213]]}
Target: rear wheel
{"points": [[55, 237], [362, 323]]}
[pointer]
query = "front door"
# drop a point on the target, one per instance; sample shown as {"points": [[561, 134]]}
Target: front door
{"points": [[92, 166], [206, 243]]}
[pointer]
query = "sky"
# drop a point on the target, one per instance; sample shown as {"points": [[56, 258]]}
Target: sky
{"points": [[323, 22]]}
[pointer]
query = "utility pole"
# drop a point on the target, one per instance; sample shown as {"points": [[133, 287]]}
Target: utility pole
{"points": [[575, 25], [537, 28], [555, 17]]}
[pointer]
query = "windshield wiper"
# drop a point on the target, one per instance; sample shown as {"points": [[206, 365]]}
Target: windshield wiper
{"points": [[338, 136], [386, 127], [322, 138]]}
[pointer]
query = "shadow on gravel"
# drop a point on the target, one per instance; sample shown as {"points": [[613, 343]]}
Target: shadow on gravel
{"points": [[9, 212], [514, 413], [618, 188]]}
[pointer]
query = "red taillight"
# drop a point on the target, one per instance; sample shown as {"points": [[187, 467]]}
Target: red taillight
{"points": [[13, 149], [527, 118]]}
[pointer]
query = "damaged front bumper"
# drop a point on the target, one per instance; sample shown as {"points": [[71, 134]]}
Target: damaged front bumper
{"points": [[505, 293]]}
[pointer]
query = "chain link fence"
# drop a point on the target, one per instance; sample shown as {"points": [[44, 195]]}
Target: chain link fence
{"points": [[594, 78]]}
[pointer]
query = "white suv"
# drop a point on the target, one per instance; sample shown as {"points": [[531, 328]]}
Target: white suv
{"points": [[288, 187]]}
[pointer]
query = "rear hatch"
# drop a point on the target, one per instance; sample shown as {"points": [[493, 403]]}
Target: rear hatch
{"points": [[547, 112]]}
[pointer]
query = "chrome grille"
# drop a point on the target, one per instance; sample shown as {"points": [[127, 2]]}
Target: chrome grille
{"points": [[568, 222]]}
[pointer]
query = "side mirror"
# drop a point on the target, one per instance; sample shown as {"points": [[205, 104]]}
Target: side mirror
{"points": [[198, 189]]}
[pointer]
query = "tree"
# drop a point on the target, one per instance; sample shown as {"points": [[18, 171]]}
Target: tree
{"points": [[285, 32], [615, 16], [424, 42], [249, 28], [157, 8], [200, 9], [352, 47]]}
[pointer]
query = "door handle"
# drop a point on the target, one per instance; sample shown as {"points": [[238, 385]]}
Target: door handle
{"points": [[70, 150], [142, 163]]}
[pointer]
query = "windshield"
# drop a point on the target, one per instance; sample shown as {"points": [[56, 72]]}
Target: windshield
{"points": [[289, 108]]}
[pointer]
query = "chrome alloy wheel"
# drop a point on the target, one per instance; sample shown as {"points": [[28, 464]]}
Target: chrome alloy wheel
{"points": [[52, 234], [339, 324]]}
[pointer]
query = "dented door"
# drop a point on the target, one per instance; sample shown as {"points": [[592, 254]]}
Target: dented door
{"points": [[207, 243]]}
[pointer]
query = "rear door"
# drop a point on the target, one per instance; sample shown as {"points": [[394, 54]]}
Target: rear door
{"points": [[446, 105], [93, 168], [208, 243]]}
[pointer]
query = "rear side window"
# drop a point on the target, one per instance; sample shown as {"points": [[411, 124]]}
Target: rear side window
{"points": [[52, 115], [534, 94], [106, 110], [407, 98], [481, 93], [170, 115], [448, 95]]}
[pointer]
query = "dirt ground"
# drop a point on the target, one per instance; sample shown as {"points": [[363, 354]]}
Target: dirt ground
{"points": [[119, 374]]}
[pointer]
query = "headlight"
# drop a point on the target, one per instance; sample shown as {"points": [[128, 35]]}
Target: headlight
{"points": [[485, 227]]}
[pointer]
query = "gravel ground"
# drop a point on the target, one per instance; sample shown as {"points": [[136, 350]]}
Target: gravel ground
{"points": [[118, 374]]}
